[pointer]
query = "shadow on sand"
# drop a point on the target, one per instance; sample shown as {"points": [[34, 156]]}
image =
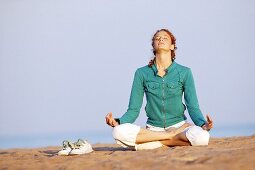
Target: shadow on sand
{"points": [[112, 149]]}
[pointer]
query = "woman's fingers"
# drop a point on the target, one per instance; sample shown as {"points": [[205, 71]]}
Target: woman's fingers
{"points": [[110, 115], [209, 120], [107, 118], [209, 124], [110, 120]]}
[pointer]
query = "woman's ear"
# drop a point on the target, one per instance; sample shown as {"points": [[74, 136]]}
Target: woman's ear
{"points": [[172, 47]]}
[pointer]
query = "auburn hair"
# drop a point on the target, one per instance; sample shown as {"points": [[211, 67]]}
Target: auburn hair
{"points": [[173, 39]]}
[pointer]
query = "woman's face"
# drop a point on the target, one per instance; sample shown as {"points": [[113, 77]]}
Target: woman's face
{"points": [[162, 42]]}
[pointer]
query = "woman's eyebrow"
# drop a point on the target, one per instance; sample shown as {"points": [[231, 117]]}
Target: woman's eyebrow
{"points": [[161, 36]]}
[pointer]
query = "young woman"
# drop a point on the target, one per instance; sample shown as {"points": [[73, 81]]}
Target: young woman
{"points": [[164, 82]]}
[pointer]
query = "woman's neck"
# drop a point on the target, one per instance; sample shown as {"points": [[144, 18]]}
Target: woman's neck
{"points": [[163, 60]]}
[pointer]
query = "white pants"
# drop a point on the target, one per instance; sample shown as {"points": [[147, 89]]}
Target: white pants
{"points": [[125, 135]]}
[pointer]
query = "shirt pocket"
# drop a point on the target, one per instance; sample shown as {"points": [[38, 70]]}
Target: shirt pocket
{"points": [[173, 88], [153, 87]]}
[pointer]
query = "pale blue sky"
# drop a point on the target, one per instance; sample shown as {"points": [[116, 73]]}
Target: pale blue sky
{"points": [[65, 64]]}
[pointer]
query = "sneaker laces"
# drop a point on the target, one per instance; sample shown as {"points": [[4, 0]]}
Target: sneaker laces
{"points": [[79, 143], [67, 144]]}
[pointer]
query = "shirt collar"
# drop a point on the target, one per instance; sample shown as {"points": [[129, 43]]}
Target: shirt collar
{"points": [[169, 69]]}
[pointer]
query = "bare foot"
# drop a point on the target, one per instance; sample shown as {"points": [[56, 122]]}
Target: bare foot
{"points": [[174, 131], [185, 125]]}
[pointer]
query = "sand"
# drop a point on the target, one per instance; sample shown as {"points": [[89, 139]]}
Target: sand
{"points": [[222, 153]]}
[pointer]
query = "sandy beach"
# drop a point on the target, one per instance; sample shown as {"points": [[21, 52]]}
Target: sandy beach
{"points": [[222, 153]]}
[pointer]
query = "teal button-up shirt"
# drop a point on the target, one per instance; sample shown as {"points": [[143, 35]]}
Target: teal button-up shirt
{"points": [[164, 96]]}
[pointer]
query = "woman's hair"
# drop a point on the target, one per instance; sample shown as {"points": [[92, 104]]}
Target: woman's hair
{"points": [[173, 39]]}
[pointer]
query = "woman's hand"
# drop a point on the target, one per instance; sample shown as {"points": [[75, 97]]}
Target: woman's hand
{"points": [[110, 120], [209, 124]]}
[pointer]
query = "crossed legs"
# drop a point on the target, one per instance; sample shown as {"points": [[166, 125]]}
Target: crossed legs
{"points": [[171, 137], [129, 135]]}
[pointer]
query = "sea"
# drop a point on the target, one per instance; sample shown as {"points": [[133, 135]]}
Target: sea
{"points": [[96, 137]]}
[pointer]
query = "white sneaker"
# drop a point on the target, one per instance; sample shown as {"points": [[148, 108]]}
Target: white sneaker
{"points": [[66, 148], [81, 147]]}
